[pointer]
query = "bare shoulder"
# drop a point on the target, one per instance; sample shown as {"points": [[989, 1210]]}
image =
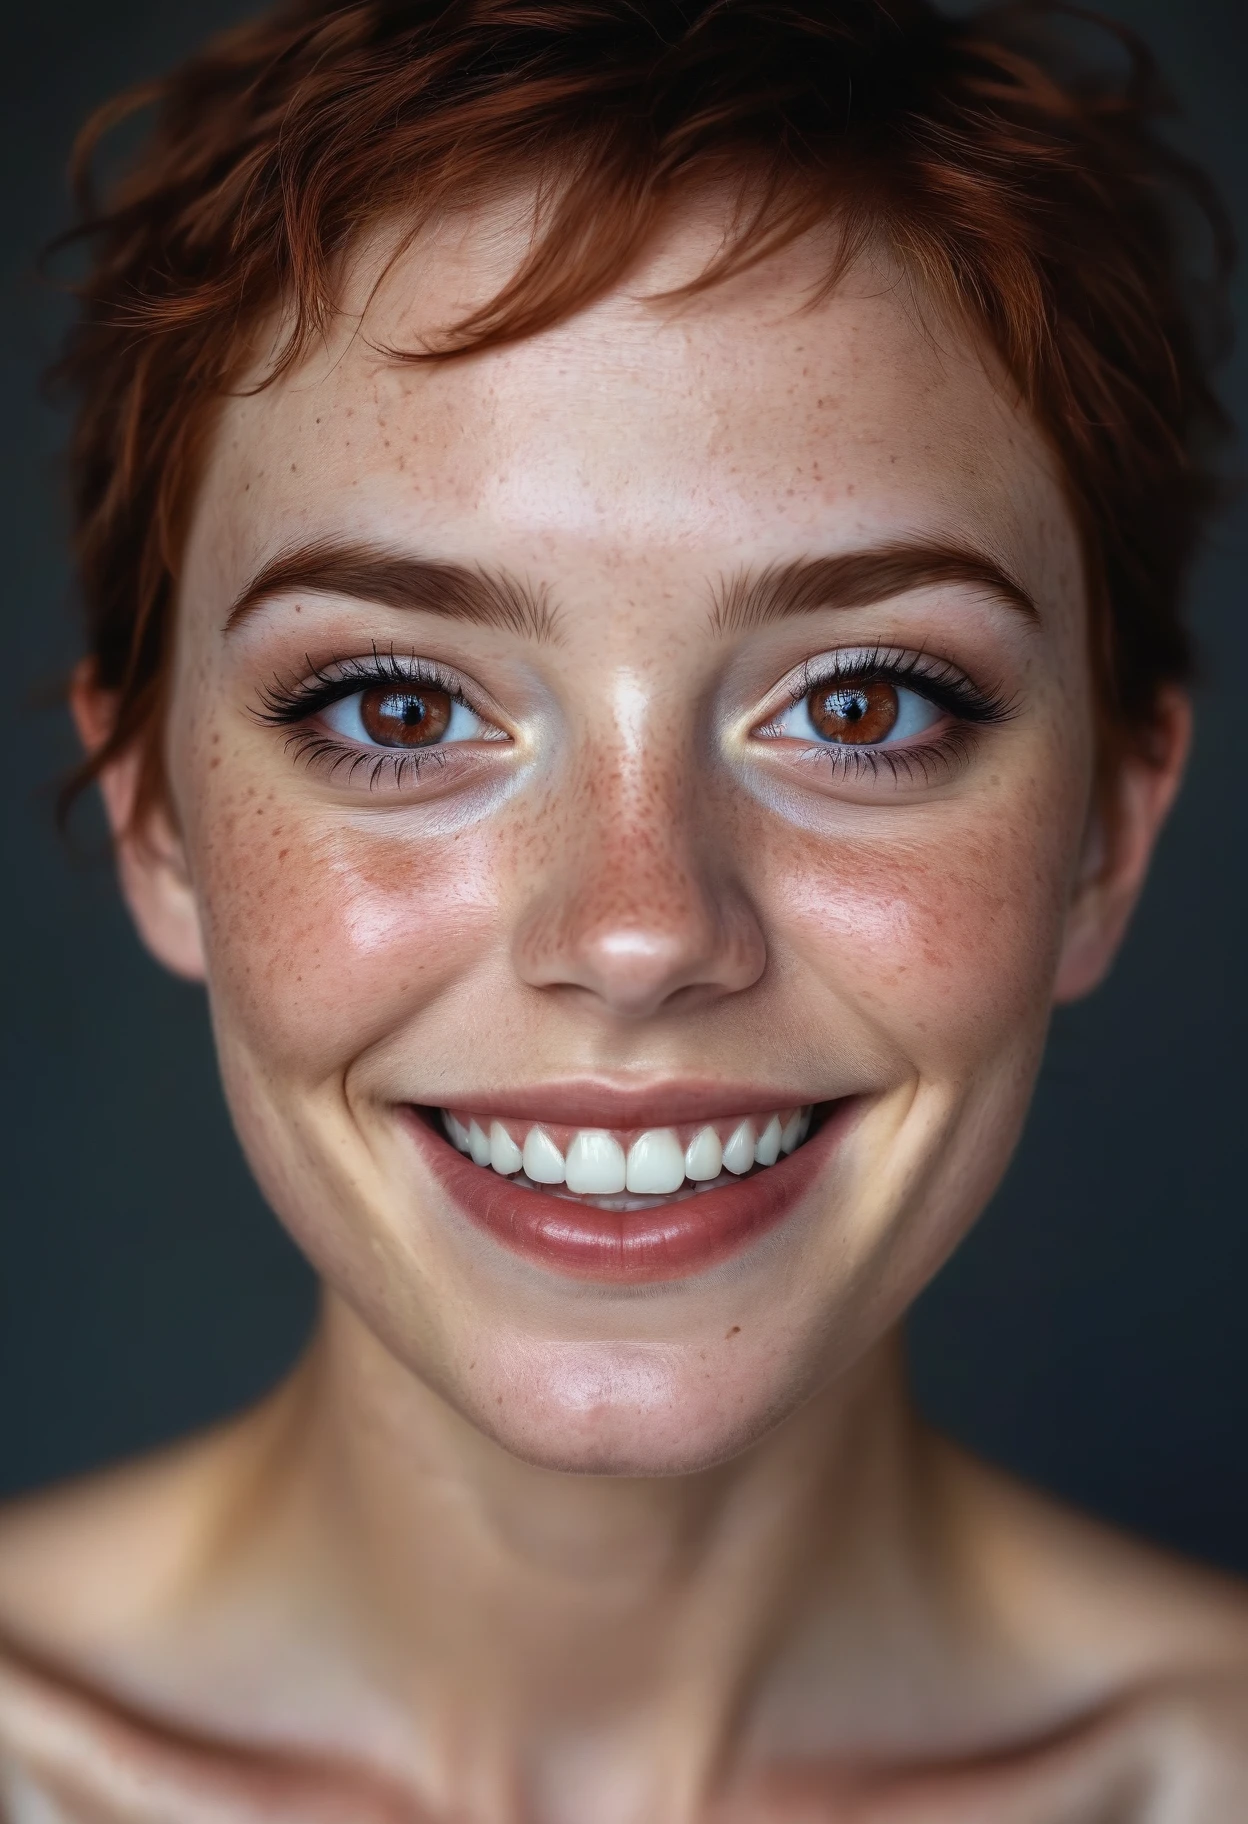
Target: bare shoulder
{"points": [[1110, 1615], [91, 1565], [1171, 1752], [1175, 1752], [113, 1701], [1116, 1687]]}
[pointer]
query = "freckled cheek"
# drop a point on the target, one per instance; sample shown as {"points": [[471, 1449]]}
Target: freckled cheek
{"points": [[949, 948], [323, 940]]}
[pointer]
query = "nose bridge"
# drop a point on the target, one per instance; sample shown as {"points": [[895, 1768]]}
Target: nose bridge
{"points": [[639, 903], [641, 868]]}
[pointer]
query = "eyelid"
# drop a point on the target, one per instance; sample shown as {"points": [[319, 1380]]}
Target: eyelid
{"points": [[938, 680], [285, 705]]}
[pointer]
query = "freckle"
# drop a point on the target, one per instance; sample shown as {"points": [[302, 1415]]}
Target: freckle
{"points": [[735, 1331]]}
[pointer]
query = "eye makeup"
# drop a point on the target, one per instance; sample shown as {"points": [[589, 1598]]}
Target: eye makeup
{"points": [[384, 716], [380, 719], [873, 709]]}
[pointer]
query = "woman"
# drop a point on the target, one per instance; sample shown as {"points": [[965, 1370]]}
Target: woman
{"points": [[632, 556]]}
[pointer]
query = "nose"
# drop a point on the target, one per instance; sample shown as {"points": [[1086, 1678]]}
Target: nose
{"points": [[638, 905]]}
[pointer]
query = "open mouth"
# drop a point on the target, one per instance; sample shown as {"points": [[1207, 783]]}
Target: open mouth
{"points": [[639, 1202], [627, 1168]]}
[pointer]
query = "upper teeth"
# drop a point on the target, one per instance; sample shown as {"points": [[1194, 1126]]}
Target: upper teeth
{"points": [[596, 1163]]}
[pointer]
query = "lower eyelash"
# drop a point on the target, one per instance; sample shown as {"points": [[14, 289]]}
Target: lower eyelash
{"points": [[311, 748], [904, 765], [293, 706]]}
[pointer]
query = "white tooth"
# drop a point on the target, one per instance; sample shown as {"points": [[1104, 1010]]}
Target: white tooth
{"points": [[656, 1163], [767, 1146], [543, 1162], [479, 1145], [739, 1151], [792, 1132], [456, 1129], [595, 1163], [505, 1155], [704, 1157]]}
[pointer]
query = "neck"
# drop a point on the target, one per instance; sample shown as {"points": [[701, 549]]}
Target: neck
{"points": [[568, 1635]]}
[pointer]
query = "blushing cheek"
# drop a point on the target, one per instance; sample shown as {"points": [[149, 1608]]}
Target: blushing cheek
{"points": [[947, 948], [324, 937]]}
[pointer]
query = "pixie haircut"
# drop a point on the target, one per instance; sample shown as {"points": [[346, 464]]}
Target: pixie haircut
{"points": [[1013, 164]]}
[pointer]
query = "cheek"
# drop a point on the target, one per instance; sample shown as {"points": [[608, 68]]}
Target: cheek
{"points": [[322, 940], [947, 945]]}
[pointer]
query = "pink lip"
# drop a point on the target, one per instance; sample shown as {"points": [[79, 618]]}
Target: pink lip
{"points": [[584, 1103], [670, 1241]]}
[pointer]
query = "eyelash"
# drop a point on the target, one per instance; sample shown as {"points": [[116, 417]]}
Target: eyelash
{"points": [[935, 680], [292, 706]]}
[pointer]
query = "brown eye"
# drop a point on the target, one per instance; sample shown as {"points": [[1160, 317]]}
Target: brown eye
{"points": [[404, 718], [858, 714]]}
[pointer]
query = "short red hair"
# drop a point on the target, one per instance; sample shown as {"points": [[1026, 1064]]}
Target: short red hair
{"points": [[1041, 203]]}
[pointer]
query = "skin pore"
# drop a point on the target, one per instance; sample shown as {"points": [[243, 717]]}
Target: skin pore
{"points": [[535, 1544]]}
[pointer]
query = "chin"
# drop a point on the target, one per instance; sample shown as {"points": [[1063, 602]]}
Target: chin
{"points": [[621, 1410]]}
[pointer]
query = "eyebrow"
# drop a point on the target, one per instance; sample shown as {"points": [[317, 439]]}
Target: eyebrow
{"points": [[397, 579], [853, 579], [856, 579]]}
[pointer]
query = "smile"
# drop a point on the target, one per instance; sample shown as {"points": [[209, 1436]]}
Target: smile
{"points": [[629, 1201], [655, 1162]]}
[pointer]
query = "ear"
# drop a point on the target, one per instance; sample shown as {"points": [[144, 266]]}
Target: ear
{"points": [[1118, 846], [151, 863]]}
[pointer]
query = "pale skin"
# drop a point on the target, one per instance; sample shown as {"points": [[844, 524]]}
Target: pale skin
{"points": [[512, 1545]]}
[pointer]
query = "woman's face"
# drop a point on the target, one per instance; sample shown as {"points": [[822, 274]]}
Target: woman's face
{"points": [[634, 742]]}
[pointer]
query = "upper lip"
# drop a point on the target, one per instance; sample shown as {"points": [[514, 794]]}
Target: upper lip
{"points": [[586, 1102]]}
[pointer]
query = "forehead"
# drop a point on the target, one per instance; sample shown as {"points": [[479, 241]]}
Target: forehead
{"points": [[743, 423]]}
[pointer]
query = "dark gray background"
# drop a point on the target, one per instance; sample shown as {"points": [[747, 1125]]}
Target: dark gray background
{"points": [[1091, 1333]]}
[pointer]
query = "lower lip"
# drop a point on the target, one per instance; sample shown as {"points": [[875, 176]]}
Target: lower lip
{"points": [[670, 1241]]}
